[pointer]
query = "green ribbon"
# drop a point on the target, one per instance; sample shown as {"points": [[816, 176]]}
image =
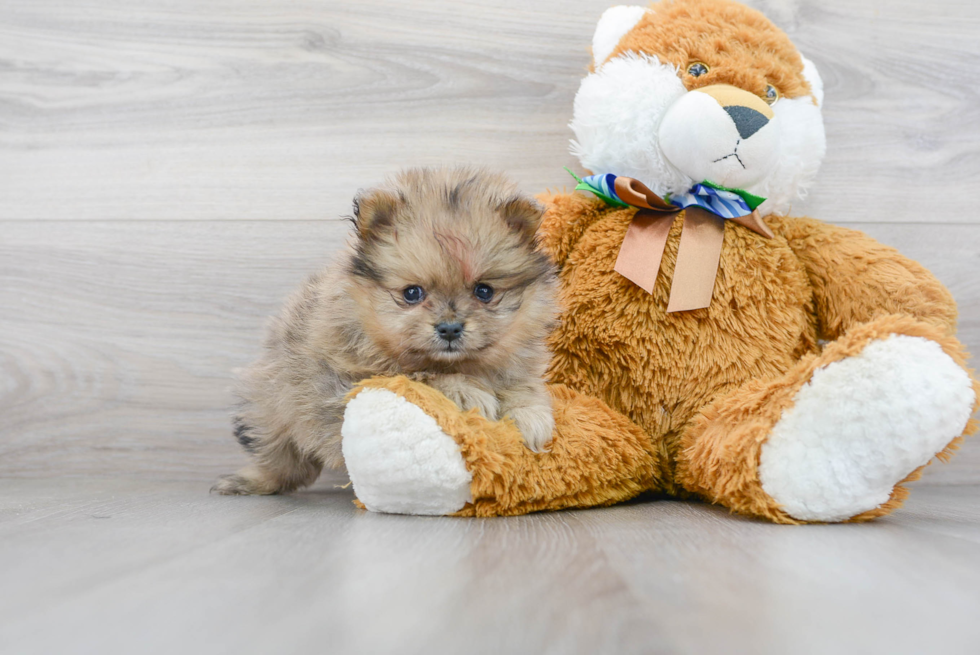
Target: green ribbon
{"points": [[590, 185], [594, 189], [753, 201]]}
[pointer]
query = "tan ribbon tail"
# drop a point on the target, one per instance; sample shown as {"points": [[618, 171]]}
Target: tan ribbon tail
{"points": [[635, 193], [643, 248], [698, 256], [755, 223]]}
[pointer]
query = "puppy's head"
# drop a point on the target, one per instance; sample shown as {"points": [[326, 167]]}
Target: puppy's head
{"points": [[446, 270]]}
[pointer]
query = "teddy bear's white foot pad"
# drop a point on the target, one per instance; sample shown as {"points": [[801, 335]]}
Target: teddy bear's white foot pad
{"points": [[399, 459], [860, 425]]}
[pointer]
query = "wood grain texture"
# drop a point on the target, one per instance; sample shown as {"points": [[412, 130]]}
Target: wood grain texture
{"points": [[167, 172], [114, 566], [118, 339], [230, 109], [166, 169]]}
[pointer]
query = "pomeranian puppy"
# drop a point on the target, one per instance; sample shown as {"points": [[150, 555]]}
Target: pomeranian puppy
{"points": [[442, 282]]}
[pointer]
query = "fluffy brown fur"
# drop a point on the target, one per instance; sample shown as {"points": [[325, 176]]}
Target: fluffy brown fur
{"points": [[707, 385], [409, 296], [597, 457], [701, 389], [738, 44], [719, 455]]}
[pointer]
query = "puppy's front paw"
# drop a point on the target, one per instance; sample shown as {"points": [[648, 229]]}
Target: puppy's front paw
{"points": [[233, 485], [468, 397], [466, 393], [536, 423], [246, 482]]}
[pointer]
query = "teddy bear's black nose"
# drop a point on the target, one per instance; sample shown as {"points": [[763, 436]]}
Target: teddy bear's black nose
{"points": [[747, 120], [450, 331]]}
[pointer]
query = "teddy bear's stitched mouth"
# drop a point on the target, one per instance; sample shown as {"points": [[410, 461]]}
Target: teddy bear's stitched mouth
{"points": [[734, 154]]}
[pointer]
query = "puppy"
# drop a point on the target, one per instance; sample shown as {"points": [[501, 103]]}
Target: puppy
{"points": [[442, 282]]}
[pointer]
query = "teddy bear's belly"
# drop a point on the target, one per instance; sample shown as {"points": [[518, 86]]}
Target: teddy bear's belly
{"points": [[616, 342]]}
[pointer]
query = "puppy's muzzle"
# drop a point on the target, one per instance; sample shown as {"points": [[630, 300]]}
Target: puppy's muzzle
{"points": [[449, 331]]}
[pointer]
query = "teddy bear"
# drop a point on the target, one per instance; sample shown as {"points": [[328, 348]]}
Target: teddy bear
{"points": [[710, 345]]}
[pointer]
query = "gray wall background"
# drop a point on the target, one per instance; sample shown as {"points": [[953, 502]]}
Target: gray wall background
{"points": [[169, 170]]}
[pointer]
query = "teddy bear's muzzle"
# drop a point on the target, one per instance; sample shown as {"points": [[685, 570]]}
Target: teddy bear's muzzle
{"points": [[750, 113], [722, 134]]}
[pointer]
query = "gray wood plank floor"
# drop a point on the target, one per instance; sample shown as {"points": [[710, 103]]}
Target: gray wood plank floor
{"points": [[112, 566]]}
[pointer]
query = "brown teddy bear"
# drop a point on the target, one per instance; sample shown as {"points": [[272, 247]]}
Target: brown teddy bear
{"points": [[709, 346]]}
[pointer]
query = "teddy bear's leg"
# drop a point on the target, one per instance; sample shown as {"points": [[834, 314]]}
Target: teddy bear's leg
{"points": [[835, 438], [410, 450]]}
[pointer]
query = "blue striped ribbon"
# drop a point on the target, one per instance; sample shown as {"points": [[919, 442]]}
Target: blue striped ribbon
{"points": [[603, 186], [721, 203]]}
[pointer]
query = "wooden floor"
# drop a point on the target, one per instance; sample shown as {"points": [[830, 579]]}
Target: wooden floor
{"points": [[169, 170], [112, 566]]}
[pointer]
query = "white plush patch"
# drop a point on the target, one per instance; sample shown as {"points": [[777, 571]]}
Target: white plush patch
{"points": [[812, 75], [611, 28], [803, 144], [399, 459], [860, 425], [699, 137], [617, 116]]}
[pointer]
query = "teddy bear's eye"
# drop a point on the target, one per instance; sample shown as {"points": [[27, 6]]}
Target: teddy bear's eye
{"points": [[697, 69], [772, 95], [413, 294]]}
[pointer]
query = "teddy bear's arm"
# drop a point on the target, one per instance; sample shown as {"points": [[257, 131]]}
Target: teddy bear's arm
{"points": [[855, 278], [410, 450], [567, 216]]}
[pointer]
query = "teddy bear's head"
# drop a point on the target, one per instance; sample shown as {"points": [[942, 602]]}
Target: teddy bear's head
{"points": [[687, 91]]}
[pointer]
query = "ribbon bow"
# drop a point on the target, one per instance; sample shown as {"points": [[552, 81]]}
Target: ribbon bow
{"points": [[706, 207]]}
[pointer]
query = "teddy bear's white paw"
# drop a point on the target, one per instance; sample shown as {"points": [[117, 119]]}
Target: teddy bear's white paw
{"points": [[399, 459], [861, 425]]}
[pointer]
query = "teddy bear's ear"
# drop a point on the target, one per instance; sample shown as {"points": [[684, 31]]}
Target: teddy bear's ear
{"points": [[613, 26], [374, 211], [523, 215], [812, 75]]}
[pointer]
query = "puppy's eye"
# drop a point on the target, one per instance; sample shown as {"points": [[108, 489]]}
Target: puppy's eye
{"points": [[697, 69], [772, 95], [483, 292], [413, 294]]}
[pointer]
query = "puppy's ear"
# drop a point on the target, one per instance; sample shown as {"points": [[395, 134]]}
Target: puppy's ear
{"points": [[523, 215], [374, 211]]}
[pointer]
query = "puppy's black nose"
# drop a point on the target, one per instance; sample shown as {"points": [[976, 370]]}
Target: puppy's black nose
{"points": [[747, 120], [450, 331]]}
